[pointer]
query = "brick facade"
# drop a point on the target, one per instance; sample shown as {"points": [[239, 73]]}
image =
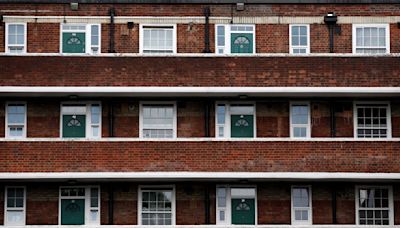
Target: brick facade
{"points": [[201, 71]]}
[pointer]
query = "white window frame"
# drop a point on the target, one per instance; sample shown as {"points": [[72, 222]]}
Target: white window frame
{"points": [[291, 47], [174, 38], [25, 38], [7, 129], [88, 38], [310, 208], [227, 127], [391, 207], [292, 126], [228, 31], [6, 209], [228, 208], [88, 112], [366, 103], [387, 38], [87, 199], [174, 124], [157, 187]]}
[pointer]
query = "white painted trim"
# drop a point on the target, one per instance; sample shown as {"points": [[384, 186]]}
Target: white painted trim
{"points": [[366, 103], [228, 113], [387, 34], [200, 20], [209, 55], [88, 119], [391, 207], [155, 187], [174, 38], [6, 223], [228, 33], [307, 103], [204, 139], [307, 176], [7, 132], [310, 218], [228, 206], [208, 226], [175, 120], [192, 90], [87, 202], [88, 38], [25, 37], [290, 39]]}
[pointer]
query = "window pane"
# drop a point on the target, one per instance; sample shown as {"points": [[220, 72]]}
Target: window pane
{"points": [[158, 207], [158, 39], [300, 197]]}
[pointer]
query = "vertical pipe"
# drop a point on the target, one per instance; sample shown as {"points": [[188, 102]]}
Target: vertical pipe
{"points": [[333, 119], [207, 204], [207, 119], [111, 119], [111, 205], [331, 38], [334, 215], [112, 31], [207, 30]]}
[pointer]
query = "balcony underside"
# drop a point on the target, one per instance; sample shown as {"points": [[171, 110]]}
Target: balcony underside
{"points": [[192, 156]]}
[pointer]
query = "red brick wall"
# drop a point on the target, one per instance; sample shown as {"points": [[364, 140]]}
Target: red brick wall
{"points": [[272, 38], [319, 41], [320, 119], [2, 37], [126, 119], [43, 119], [395, 107], [197, 9], [191, 40], [273, 202], [43, 38], [2, 189], [124, 205], [200, 71], [191, 119], [2, 118], [42, 204], [125, 40], [272, 119], [344, 119], [244, 156]]}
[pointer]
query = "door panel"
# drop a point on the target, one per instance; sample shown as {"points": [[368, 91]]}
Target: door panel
{"points": [[242, 126], [73, 42], [241, 43], [243, 211], [74, 127], [72, 211]]}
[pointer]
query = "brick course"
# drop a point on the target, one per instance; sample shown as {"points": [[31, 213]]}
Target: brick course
{"points": [[220, 156], [200, 71]]}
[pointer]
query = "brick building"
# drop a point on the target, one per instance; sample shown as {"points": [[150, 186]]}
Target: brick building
{"points": [[199, 112]]}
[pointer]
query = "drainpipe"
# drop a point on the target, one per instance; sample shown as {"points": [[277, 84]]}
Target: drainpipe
{"points": [[334, 215], [111, 119], [207, 31], [207, 204], [111, 206], [330, 19], [207, 119], [112, 31], [333, 119]]}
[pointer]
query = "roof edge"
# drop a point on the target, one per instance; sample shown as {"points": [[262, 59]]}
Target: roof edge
{"points": [[204, 1]]}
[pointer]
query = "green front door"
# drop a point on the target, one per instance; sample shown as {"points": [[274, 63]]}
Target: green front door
{"points": [[242, 126], [72, 212], [243, 211], [241, 43], [73, 42], [74, 126]]}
